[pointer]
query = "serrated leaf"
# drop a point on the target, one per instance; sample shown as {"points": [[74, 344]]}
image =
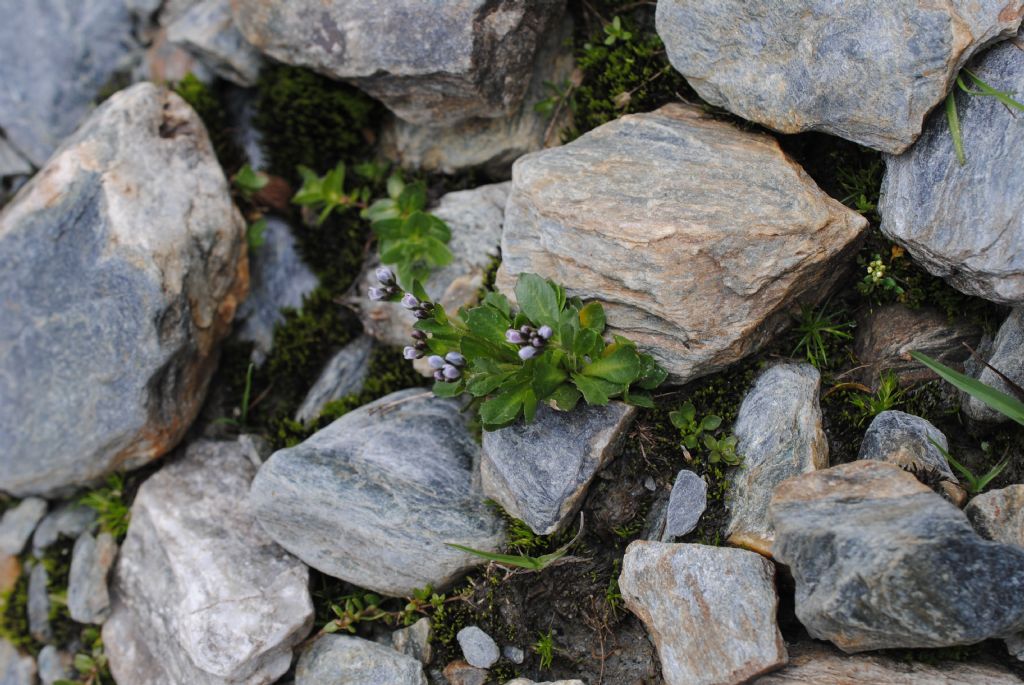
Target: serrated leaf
{"points": [[485, 383], [593, 391], [443, 389], [504, 407], [547, 377], [592, 316], [499, 302], [538, 300], [566, 397], [621, 366]]}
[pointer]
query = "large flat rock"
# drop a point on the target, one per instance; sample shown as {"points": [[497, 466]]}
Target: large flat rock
{"points": [[881, 562], [695, 235], [966, 223], [428, 62], [710, 611], [779, 435], [373, 497], [201, 594], [866, 71], [124, 261]]}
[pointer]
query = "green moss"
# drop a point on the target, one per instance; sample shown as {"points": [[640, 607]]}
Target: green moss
{"points": [[14, 615], [308, 119], [14, 603], [208, 104]]}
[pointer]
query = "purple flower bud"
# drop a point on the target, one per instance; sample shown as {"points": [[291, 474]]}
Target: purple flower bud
{"points": [[528, 353], [419, 335], [450, 372], [377, 294], [421, 314], [537, 341], [514, 337], [545, 332], [421, 345], [435, 362], [411, 353], [439, 376], [525, 330], [409, 301], [385, 275], [455, 359]]}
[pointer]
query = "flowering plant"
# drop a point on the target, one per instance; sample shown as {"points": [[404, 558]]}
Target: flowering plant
{"points": [[552, 350]]}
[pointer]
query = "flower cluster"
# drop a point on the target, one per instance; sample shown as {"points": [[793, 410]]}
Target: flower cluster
{"points": [[388, 285], [876, 270], [447, 369], [531, 341]]}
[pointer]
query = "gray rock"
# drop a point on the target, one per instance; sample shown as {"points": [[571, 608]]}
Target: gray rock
{"points": [[279, 279], [374, 497], [91, 559], [475, 218], [710, 611], [69, 520], [806, 66], [1007, 356], [869, 548], [255, 447], [134, 210], [780, 436], [675, 275], [414, 640], [886, 336], [539, 472], [344, 375], [427, 62], [490, 143], [201, 594], [524, 681], [17, 524], [905, 440], [999, 514], [12, 163], [15, 668], [55, 58], [207, 30], [514, 654], [53, 665], [38, 608], [349, 660], [818, 664], [686, 504], [1015, 646], [967, 232], [478, 648]]}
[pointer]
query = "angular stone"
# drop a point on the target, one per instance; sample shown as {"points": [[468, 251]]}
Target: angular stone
{"points": [[279, 279], [539, 472], [780, 436], [806, 66], [686, 504], [1015, 646], [710, 611], [15, 668], [133, 210], [461, 673], [69, 520], [868, 546], [478, 648], [201, 594], [967, 232], [427, 62], [524, 681], [53, 666], [414, 640], [38, 605], [17, 525], [886, 337], [1008, 356], [55, 58], [91, 559], [475, 218], [344, 375], [492, 143], [818, 664], [905, 440], [999, 514], [699, 283], [207, 30], [349, 660], [374, 497], [513, 653]]}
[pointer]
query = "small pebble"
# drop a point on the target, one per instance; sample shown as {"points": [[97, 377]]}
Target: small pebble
{"points": [[478, 647]]}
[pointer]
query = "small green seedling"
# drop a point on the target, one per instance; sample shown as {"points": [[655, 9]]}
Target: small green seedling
{"points": [[108, 502], [685, 420], [888, 396], [814, 327], [254, 234], [614, 31], [327, 194], [524, 561], [249, 181], [877, 278], [722, 449], [544, 647]]}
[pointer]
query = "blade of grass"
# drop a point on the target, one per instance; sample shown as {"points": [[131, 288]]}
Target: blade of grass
{"points": [[1000, 401], [954, 128]]}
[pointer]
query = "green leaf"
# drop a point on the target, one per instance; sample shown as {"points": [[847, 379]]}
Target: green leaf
{"points": [[954, 128], [499, 302], [484, 384], [1000, 401], [395, 185], [639, 398], [443, 389], [84, 663], [412, 198], [388, 229], [436, 251], [592, 317], [254, 234], [521, 560], [547, 376], [651, 373], [566, 397], [593, 390], [587, 343], [504, 407], [621, 366], [538, 300], [684, 416], [436, 228], [711, 422], [250, 181]]}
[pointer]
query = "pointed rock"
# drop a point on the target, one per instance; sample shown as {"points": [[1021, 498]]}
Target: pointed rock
{"points": [[17, 525], [999, 514]]}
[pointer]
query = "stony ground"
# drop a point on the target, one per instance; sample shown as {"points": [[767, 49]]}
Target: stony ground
{"points": [[218, 467]]}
